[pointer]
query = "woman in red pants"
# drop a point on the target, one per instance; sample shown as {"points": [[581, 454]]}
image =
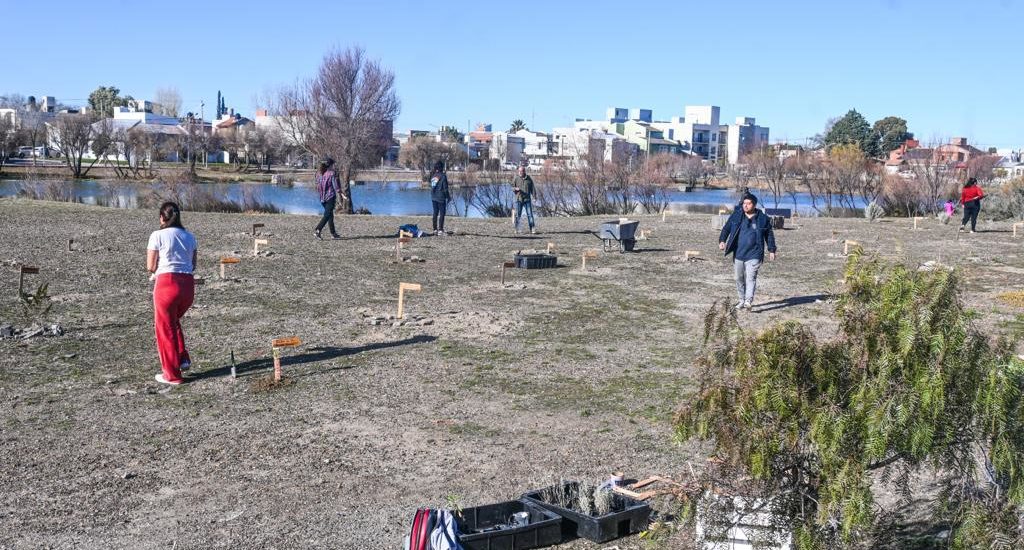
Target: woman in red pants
{"points": [[171, 257]]}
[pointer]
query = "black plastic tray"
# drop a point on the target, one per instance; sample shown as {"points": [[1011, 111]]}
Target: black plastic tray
{"points": [[535, 261], [544, 529], [631, 516]]}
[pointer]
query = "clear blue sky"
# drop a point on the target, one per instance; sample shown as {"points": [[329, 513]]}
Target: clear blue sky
{"points": [[951, 68]]}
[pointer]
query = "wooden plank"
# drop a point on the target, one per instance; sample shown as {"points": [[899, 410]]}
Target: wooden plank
{"points": [[29, 270], [256, 226], [690, 254], [402, 287], [1015, 226], [287, 342], [230, 260], [404, 240], [504, 266], [256, 245]]}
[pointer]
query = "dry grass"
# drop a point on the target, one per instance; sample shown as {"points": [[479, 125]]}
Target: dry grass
{"points": [[1014, 298]]}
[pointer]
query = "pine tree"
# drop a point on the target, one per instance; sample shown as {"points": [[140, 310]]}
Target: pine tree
{"points": [[802, 425]]}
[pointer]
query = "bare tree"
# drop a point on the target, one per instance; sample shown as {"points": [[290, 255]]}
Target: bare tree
{"points": [[345, 111], [168, 101], [9, 138], [73, 137], [768, 169], [935, 179]]}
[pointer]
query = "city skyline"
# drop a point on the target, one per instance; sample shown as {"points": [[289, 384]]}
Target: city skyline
{"points": [[946, 69]]}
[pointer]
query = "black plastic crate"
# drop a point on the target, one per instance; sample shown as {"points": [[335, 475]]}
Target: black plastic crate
{"points": [[535, 261], [491, 527], [628, 516]]}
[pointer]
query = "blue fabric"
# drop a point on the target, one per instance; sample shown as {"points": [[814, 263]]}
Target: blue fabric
{"points": [[524, 205], [749, 240], [439, 188]]}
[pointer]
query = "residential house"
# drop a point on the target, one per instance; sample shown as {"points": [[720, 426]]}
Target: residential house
{"points": [[163, 133], [1012, 164], [478, 142], [957, 151]]}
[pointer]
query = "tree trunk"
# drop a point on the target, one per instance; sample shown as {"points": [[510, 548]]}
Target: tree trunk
{"points": [[345, 200]]}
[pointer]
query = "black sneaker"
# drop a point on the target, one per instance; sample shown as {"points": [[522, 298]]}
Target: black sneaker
{"points": [[336, 237], [316, 232]]}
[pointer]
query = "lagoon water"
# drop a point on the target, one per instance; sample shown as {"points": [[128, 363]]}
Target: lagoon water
{"points": [[393, 198]]}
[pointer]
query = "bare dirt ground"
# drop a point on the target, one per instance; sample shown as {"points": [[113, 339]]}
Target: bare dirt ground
{"points": [[495, 391]]}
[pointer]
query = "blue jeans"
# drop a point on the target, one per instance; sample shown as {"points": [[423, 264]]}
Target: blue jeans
{"points": [[528, 206], [746, 279]]}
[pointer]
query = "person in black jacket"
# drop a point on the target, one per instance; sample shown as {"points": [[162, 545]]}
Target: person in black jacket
{"points": [[745, 235], [439, 196]]}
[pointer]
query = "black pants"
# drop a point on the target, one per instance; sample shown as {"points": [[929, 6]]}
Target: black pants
{"points": [[328, 218], [971, 210], [438, 218]]}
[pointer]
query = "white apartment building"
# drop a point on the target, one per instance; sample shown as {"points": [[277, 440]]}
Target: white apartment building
{"points": [[698, 131], [507, 148], [536, 145], [745, 136]]}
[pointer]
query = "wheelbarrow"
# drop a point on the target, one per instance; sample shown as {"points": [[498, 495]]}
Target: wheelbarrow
{"points": [[620, 233]]}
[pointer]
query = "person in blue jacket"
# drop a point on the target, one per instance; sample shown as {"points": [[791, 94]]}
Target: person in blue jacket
{"points": [[439, 196], [745, 236]]}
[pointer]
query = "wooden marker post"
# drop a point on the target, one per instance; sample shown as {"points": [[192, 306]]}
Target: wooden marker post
{"points": [[276, 344], [70, 243], [915, 220], [225, 261], [846, 246], [234, 374], [402, 287], [1015, 226], [256, 226], [689, 254], [722, 211], [398, 247], [592, 254], [25, 270], [663, 214], [256, 246], [551, 246], [504, 266]]}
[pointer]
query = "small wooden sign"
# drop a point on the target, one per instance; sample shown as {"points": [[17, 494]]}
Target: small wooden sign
{"points": [[71, 243], [25, 270], [504, 266], [199, 281], [287, 342], [256, 245], [551, 246], [256, 226], [663, 214], [225, 261], [402, 287], [722, 211], [275, 345], [690, 254], [916, 218], [403, 240], [588, 254], [846, 246]]}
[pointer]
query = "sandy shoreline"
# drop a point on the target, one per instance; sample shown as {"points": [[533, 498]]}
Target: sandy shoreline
{"points": [[494, 392]]}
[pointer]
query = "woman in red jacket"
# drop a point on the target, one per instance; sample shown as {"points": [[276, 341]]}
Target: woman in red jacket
{"points": [[970, 197]]}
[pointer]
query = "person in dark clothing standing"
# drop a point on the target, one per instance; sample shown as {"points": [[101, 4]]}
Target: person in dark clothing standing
{"points": [[439, 196], [745, 235], [970, 197], [329, 187], [522, 185]]}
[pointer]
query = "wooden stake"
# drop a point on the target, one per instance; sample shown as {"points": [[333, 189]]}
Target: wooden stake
{"points": [[915, 220], [504, 266], [663, 214], [256, 226], [275, 345], [402, 287], [846, 246], [592, 254], [256, 245], [551, 246], [70, 242], [233, 373], [1015, 226], [225, 261], [722, 211], [25, 270], [399, 245]]}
